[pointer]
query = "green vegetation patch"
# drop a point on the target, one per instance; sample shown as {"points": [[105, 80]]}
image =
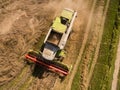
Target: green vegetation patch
{"points": [[103, 72], [76, 81], [118, 84], [99, 77]]}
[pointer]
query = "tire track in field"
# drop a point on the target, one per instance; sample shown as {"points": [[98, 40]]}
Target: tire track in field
{"points": [[100, 28], [68, 87], [116, 70]]}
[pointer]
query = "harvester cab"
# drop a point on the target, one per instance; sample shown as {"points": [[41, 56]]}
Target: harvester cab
{"points": [[54, 43]]}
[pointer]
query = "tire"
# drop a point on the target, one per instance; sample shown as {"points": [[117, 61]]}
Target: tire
{"points": [[42, 48]]}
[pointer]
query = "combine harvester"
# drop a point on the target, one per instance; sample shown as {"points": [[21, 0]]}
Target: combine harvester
{"points": [[52, 51]]}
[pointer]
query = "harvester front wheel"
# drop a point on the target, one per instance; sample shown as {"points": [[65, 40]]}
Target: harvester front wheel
{"points": [[61, 55], [61, 59]]}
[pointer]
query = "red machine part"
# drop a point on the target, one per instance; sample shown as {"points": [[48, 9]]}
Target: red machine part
{"points": [[46, 65]]}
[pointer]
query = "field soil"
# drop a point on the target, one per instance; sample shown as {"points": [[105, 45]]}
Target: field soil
{"points": [[24, 22]]}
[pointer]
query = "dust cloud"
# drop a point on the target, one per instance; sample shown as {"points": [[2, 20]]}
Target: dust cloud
{"points": [[22, 22]]}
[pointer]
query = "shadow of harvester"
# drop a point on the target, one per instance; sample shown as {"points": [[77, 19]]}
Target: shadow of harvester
{"points": [[41, 72]]}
